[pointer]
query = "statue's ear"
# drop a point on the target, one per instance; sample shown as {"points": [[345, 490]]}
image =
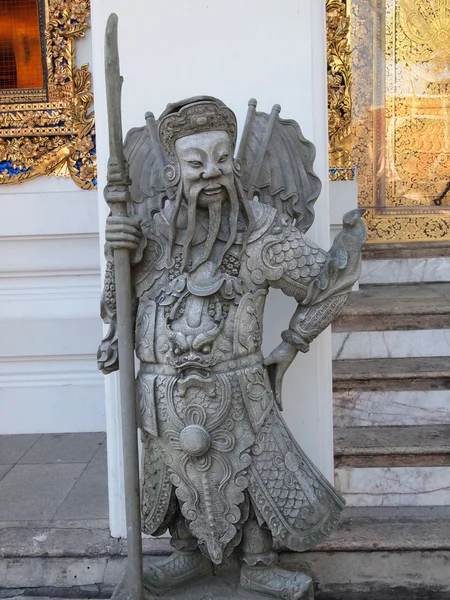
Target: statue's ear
{"points": [[237, 167], [172, 174]]}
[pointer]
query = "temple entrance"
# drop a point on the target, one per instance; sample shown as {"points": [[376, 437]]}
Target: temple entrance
{"points": [[401, 91], [395, 90], [389, 101]]}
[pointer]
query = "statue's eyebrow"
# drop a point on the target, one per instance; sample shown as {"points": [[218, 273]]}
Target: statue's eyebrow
{"points": [[222, 146], [194, 151]]}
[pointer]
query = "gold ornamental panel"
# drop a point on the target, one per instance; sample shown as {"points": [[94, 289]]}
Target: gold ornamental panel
{"points": [[401, 117], [339, 75], [46, 127]]}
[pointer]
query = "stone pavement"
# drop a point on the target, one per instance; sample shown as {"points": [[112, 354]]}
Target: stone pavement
{"points": [[53, 477], [55, 541]]}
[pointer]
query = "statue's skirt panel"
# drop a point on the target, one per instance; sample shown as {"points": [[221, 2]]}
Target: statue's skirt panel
{"points": [[214, 441]]}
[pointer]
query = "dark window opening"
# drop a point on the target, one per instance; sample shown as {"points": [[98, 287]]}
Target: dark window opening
{"points": [[21, 64]]}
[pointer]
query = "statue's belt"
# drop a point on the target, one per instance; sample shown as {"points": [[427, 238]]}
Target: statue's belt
{"points": [[228, 366]]}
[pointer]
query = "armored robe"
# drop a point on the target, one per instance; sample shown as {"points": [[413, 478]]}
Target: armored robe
{"points": [[216, 448]]}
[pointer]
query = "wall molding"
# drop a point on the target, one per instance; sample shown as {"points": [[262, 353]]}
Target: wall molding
{"points": [[51, 379], [51, 273], [49, 236], [49, 371]]}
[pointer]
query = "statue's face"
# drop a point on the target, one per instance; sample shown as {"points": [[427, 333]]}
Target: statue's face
{"points": [[206, 164]]}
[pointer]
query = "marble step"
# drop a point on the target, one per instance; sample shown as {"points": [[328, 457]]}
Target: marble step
{"points": [[420, 343], [366, 408], [375, 553], [393, 466], [419, 528], [381, 374], [396, 446], [391, 391], [405, 263], [396, 307], [406, 250], [405, 270], [394, 486]]}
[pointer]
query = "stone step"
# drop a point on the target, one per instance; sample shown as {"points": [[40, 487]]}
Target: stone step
{"points": [[405, 270], [389, 392], [396, 307], [393, 466], [396, 446], [382, 374], [405, 263], [420, 343], [375, 554], [394, 486], [406, 250], [391, 529], [362, 407]]}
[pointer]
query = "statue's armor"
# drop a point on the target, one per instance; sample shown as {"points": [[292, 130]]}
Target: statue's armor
{"points": [[215, 444]]}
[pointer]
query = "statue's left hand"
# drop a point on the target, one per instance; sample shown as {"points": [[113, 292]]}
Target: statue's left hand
{"points": [[277, 364]]}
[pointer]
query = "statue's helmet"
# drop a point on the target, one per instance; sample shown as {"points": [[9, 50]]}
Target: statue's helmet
{"points": [[190, 116]]}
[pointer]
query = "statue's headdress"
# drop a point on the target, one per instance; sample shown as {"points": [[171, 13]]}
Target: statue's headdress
{"points": [[274, 161], [194, 115]]}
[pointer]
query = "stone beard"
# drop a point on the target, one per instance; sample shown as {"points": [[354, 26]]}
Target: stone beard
{"points": [[223, 217], [220, 467]]}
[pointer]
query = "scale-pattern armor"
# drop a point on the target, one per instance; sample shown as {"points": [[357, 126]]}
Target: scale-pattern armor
{"points": [[214, 439]]}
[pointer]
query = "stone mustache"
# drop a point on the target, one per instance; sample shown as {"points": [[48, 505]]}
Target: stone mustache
{"points": [[209, 233]]}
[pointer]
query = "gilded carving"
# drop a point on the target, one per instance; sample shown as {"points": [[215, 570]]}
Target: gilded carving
{"points": [[402, 118], [55, 137], [339, 73]]}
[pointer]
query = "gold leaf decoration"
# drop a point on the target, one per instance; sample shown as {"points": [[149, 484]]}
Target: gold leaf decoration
{"points": [[55, 137], [401, 118], [339, 73]]}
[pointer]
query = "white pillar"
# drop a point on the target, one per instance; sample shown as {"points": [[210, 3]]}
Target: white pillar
{"points": [[234, 51]]}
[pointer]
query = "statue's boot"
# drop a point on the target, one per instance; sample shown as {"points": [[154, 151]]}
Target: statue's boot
{"points": [[179, 568], [276, 581]]}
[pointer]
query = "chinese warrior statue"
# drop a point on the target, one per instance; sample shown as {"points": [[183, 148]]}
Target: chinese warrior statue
{"points": [[209, 232]]}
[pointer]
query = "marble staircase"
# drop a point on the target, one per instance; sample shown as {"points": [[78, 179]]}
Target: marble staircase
{"points": [[391, 379]]}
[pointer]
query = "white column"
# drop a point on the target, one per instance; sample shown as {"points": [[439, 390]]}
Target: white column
{"points": [[234, 51]]}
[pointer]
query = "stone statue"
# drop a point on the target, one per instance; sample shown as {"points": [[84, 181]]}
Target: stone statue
{"points": [[209, 233]]}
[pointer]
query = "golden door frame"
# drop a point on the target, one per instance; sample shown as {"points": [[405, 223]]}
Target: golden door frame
{"points": [[55, 135], [389, 217]]}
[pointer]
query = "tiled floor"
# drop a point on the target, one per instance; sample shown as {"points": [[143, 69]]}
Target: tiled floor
{"points": [[53, 477]]}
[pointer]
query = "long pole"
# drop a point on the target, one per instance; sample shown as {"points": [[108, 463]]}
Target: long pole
{"points": [[131, 588]]}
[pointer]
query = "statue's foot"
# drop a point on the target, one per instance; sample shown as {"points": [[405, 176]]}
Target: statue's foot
{"points": [[179, 568], [276, 581]]}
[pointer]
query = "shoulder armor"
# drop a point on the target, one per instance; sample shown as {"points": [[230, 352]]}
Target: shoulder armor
{"points": [[283, 253], [264, 215]]}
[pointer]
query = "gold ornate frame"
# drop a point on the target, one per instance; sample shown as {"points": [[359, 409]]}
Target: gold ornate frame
{"points": [[386, 219], [55, 136], [339, 74]]}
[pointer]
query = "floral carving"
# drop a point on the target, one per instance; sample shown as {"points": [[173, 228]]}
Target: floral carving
{"points": [[339, 74], [399, 113]]}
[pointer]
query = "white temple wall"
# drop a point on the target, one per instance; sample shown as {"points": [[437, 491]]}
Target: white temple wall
{"points": [[49, 305], [235, 51], [343, 197]]}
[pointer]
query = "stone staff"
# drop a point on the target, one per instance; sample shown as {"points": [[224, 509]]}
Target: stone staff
{"points": [[118, 196]]}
